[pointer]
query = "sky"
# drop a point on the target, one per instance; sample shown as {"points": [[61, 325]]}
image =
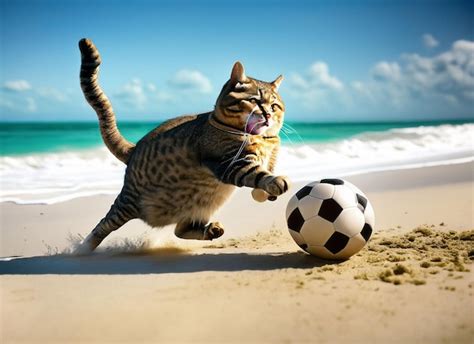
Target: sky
{"points": [[342, 60]]}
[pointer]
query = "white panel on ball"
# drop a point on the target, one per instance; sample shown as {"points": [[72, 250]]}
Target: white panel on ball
{"points": [[320, 251], [309, 206], [297, 237], [354, 245], [369, 215], [354, 188], [350, 222], [322, 191], [316, 231], [345, 196], [292, 205], [313, 183]]}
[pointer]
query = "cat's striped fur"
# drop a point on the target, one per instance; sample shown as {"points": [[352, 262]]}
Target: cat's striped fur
{"points": [[91, 60], [185, 169]]}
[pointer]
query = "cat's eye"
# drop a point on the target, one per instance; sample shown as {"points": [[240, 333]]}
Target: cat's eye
{"points": [[275, 107], [233, 108]]}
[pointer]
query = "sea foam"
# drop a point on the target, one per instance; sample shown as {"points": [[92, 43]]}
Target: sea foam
{"points": [[56, 177], [378, 151]]}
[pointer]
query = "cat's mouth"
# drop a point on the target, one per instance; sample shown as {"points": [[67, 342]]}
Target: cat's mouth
{"points": [[257, 124]]}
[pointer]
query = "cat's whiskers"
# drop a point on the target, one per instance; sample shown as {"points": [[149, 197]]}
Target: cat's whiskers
{"points": [[290, 130], [288, 137], [238, 154], [287, 133]]}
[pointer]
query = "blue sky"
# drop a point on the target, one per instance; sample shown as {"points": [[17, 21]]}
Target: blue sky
{"points": [[342, 60]]}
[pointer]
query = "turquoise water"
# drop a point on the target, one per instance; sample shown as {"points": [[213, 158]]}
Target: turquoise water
{"points": [[44, 137]]}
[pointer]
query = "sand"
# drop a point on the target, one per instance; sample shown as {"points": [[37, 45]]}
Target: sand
{"points": [[412, 283]]}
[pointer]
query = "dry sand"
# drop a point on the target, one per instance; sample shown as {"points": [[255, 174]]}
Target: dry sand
{"points": [[411, 284]]}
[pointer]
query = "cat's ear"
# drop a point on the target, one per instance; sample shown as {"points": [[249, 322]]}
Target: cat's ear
{"points": [[277, 82], [238, 73]]}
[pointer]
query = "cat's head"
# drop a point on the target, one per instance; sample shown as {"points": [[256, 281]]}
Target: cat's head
{"points": [[250, 105]]}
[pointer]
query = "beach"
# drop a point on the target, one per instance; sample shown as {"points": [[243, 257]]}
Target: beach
{"points": [[351, 124], [412, 283]]}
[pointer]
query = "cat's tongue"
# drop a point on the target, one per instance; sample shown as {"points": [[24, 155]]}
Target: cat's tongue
{"points": [[256, 125]]}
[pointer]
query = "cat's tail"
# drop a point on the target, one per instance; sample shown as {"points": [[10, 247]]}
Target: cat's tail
{"points": [[90, 61]]}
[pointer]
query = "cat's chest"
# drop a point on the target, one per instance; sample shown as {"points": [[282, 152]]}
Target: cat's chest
{"points": [[261, 150], [265, 158]]}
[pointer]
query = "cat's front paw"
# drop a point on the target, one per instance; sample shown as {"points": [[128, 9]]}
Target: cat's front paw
{"points": [[276, 186], [213, 230], [260, 195]]}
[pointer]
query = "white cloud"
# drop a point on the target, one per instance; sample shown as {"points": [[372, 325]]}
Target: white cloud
{"points": [[449, 73], [134, 94], [428, 83], [191, 81], [52, 93], [25, 98], [411, 84], [386, 71], [429, 41], [151, 87], [17, 85], [317, 77], [299, 82], [138, 94], [31, 104], [164, 96], [141, 95], [6, 103], [316, 89], [21, 104], [360, 88]]}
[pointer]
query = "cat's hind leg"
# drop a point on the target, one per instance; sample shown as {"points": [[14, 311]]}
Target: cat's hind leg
{"points": [[197, 230], [120, 213]]}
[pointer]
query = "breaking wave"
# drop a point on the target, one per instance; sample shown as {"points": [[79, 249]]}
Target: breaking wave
{"points": [[56, 177]]}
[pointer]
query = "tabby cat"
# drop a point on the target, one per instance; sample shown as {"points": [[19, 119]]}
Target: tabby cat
{"points": [[183, 171]]}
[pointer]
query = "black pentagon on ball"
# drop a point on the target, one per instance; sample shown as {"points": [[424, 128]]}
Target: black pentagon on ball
{"points": [[303, 192], [330, 210], [366, 232], [336, 242], [332, 181], [295, 220], [362, 201]]}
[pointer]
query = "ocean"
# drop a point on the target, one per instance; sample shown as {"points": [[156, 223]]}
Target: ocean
{"points": [[52, 137], [56, 161]]}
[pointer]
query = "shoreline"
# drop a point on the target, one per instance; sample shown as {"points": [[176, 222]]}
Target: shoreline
{"points": [[460, 158]]}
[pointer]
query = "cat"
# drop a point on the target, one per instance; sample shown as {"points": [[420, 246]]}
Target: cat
{"points": [[182, 171]]}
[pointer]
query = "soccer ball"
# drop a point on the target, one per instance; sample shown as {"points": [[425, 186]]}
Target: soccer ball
{"points": [[330, 218]]}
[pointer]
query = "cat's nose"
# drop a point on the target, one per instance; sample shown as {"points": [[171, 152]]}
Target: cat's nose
{"points": [[267, 115]]}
